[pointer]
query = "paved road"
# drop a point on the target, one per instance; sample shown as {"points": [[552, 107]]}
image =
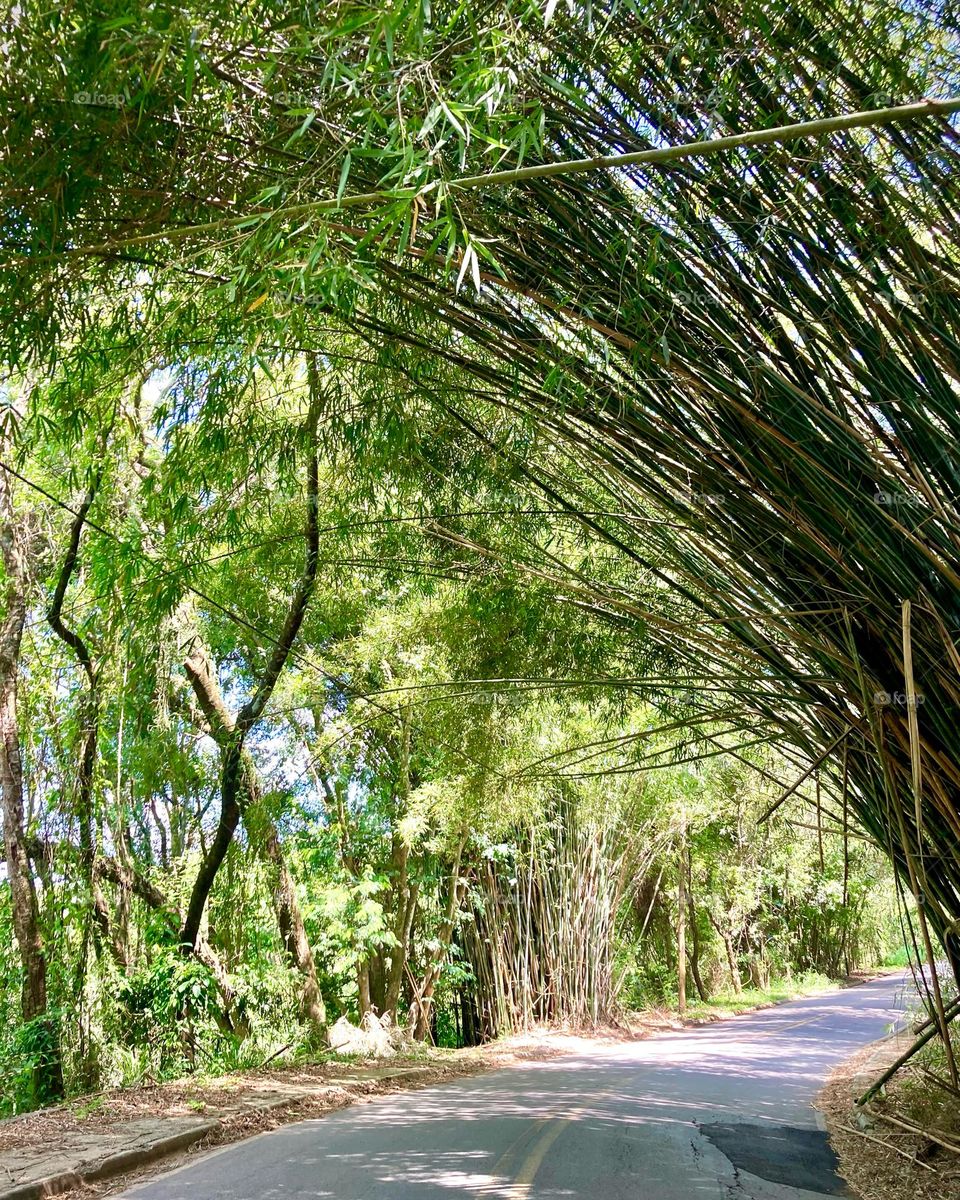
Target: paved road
{"points": [[722, 1112]]}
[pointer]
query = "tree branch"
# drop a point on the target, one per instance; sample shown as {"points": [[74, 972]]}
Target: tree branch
{"points": [[233, 749], [90, 725], [54, 613]]}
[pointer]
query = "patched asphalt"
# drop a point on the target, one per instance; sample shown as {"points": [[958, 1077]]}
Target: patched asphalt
{"points": [[801, 1158]]}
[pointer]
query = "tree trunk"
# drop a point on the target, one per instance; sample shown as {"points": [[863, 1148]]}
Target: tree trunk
{"points": [[422, 1022], [735, 977], [682, 933], [405, 894], [695, 931], [400, 953], [293, 933], [847, 965], [48, 1075], [264, 838], [364, 1003], [23, 896], [232, 748]]}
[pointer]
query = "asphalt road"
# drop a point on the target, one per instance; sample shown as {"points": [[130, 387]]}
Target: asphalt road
{"points": [[722, 1112]]}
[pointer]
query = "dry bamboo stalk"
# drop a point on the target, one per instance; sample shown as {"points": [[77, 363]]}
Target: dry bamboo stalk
{"points": [[931, 1031], [890, 1146], [913, 724], [933, 1135], [937, 1079]]}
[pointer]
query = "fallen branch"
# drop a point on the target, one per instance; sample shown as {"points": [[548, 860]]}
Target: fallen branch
{"points": [[932, 1135], [880, 1142], [275, 1054]]}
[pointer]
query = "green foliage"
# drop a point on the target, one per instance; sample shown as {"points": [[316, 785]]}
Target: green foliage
{"points": [[899, 956], [602, 568], [35, 1046], [156, 1002], [648, 985]]}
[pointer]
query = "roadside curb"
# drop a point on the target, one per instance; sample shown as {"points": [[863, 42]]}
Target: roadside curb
{"points": [[113, 1164], [884, 1051], [131, 1159]]}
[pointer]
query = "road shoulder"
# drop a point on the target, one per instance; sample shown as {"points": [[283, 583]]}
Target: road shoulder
{"points": [[878, 1157]]}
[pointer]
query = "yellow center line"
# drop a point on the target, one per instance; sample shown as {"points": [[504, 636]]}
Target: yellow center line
{"points": [[531, 1146], [793, 1025], [520, 1189], [505, 1161], [504, 1164]]}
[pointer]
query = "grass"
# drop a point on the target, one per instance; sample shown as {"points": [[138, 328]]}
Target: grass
{"points": [[727, 1003]]}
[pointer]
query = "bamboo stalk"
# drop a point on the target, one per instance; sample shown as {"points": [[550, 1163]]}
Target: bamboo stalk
{"points": [[654, 157], [933, 1135], [952, 1011], [913, 726], [890, 1146]]}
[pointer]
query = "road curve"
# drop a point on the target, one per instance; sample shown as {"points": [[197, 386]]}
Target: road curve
{"points": [[721, 1112]]}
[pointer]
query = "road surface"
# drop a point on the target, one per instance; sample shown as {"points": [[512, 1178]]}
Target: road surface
{"points": [[722, 1112]]}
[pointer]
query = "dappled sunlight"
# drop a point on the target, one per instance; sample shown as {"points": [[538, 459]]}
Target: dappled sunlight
{"points": [[642, 1103]]}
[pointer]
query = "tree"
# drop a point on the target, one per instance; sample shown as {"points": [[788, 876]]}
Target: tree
{"points": [[618, 471], [15, 538]]}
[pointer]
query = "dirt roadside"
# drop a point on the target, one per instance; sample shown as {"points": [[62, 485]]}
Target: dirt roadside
{"points": [[879, 1158], [100, 1145]]}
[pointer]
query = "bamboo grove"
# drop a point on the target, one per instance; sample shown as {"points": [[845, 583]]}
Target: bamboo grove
{"points": [[423, 528]]}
